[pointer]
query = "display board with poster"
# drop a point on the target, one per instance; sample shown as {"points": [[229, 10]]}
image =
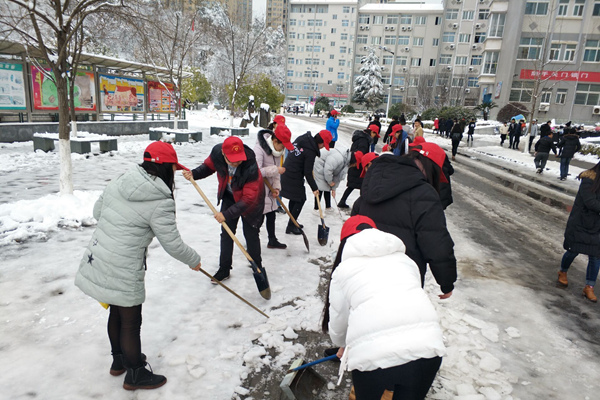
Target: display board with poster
{"points": [[12, 89], [160, 97], [45, 96], [121, 94]]}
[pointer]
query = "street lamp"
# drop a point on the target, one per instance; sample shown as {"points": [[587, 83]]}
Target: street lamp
{"points": [[389, 99]]}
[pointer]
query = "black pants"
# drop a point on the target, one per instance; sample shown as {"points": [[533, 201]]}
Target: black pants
{"points": [[295, 208], [251, 234], [502, 139], [270, 217], [516, 142], [346, 195], [410, 381], [327, 196], [455, 143], [124, 326], [531, 142], [511, 139], [470, 138]]}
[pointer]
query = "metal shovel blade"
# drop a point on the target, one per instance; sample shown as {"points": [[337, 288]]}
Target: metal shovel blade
{"points": [[323, 233], [303, 384], [262, 282]]}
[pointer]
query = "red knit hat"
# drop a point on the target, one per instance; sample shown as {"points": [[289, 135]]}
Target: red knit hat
{"points": [[365, 160], [356, 224], [435, 153], [161, 152], [327, 137], [283, 134], [233, 148]]}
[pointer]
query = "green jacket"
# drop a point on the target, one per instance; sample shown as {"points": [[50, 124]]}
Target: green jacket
{"points": [[133, 209]]}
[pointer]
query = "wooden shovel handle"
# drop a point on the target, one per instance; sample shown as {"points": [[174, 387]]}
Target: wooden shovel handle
{"points": [[320, 209], [224, 224], [281, 202]]}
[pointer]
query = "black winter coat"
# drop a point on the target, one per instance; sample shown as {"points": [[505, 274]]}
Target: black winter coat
{"points": [[397, 197], [361, 141], [388, 132], [545, 130], [446, 188], [569, 145], [582, 234], [298, 166], [545, 144]]}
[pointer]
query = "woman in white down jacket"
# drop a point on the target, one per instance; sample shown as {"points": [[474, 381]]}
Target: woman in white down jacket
{"points": [[330, 169], [379, 315]]}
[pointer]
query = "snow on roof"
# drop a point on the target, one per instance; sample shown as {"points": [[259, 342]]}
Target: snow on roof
{"points": [[405, 6]]}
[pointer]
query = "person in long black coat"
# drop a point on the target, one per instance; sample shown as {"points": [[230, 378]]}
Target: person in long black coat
{"points": [[569, 144], [388, 132], [582, 234], [410, 208], [298, 166], [361, 141]]}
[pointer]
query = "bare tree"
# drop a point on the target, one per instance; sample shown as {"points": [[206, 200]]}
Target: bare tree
{"points": [[55, 30]]}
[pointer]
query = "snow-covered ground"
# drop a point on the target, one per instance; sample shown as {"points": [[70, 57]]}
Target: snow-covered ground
{"points": [[53, 342]]}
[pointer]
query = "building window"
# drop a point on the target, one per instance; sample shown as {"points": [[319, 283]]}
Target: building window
{"points": [[432, 62], [592, 51], [298, 61], [389, 40], [418, 41], [364, 19], [536, 8], [376, 40], [343, 49], [385, 80], [530, 48], [413, 81], [464, 38], [332, 44], [476, 60], [339, 88], [445, 59], [596, 10], [292, 35], [438, 20], [340, 75], [330, 69], [468, 15], [401, 61], [563, 8], [388, 60], [561, 96], [333, 30], [497, 25], [290, 72], [362, 39], [344, 36], [291, 47], [473, 82], [448, 37], [546, 96], [334, 16], [587, 94], [480, 37], [436, 42], [291, 60], [415, 62], [405, 19], [346, 9], [403, 40], [399, 81], [578, 8], [420, 20], [521, 91], [377, 19], [461, 60], [322, 9], [490, 65], [313, 35], [289, 85], [292, 22], [452, 13], [391, 20], [345, 22], [332, 56], [458, 82], [484, 13]]}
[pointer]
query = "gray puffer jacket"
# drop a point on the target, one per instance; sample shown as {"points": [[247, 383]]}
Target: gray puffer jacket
{"points": [[133, 209], [331, 167]]}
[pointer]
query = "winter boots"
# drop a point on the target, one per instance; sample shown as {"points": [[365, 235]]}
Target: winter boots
{"points": [[141, 378], [118, 365], [562, 278], [221, 275], [588, 292], [293, 229], [275, 244]]}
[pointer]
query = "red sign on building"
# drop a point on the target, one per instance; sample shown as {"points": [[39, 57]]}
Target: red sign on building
{"points": [[578, 76]]}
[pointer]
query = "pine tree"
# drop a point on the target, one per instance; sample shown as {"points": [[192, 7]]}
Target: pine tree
{"points": [[368, 88]]}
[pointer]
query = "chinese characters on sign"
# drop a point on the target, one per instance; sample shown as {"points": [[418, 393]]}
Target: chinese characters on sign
{"points": [[12, 91], [579, 76], [121, 94], [45, 96]]}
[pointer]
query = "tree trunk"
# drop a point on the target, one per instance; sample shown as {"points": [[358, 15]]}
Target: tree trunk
{"points": [[64, 144]]}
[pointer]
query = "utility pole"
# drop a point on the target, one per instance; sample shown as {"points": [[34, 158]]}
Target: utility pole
{"points": [[389, 99]]}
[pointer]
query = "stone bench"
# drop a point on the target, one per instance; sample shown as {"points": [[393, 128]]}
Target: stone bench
{"points": [[78, 145], [180, 137], [215, 130]]}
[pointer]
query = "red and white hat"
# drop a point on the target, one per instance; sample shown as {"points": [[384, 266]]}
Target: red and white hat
{"points": [[435, 153], [356, 224], [161, 152], [233, 148], [283, 134]]}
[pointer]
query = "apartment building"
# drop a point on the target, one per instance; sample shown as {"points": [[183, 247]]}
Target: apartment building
{"points": [[276, 13], [239, 11], [320, 50]]}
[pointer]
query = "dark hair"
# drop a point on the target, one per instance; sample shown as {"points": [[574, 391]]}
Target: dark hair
{"points": [[329, 114], [430, 169], [271, 126], [318, 139], [395, 117], [336, 262], [162, 171]]}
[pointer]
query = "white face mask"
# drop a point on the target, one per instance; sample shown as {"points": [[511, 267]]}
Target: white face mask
{"points": [[275, 152]]}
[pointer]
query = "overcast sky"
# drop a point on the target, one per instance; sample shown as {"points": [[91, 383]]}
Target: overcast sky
{"points": [[259, 8]]}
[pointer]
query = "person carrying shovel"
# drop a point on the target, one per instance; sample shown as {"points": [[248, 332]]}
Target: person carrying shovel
{"points": [[242, 193], [298, 166]]}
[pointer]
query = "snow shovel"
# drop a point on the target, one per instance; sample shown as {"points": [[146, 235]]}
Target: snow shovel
{"points": [[322, 231], [260, 274], [289, 214], [301, 382]]}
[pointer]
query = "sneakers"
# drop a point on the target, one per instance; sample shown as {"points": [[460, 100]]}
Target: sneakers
{"points": [[562, 278], [221, 275], [118, 365], [588, 292], [538, 171], [293, 229], [275, 244], [141, 378]]}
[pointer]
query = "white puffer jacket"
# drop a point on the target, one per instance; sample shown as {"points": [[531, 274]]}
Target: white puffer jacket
{"points": [[330, 168], [378, 310]]}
